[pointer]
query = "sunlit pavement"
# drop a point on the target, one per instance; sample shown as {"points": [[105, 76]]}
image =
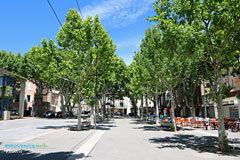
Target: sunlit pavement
{"points": [[39, 138], [122, 138], [140, 140]]}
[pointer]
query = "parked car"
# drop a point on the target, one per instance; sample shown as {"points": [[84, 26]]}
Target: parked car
{"points": [[59, 114], [49, 114], [131, 114], [14, 112], [27, 113], [85, 112], [118, 113]]}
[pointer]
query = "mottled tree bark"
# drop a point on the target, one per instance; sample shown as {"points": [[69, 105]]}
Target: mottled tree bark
{"points": [[22, 100]]}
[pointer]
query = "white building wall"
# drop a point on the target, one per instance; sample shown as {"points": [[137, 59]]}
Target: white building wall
{"points": [[126, 104], [226, 113]]}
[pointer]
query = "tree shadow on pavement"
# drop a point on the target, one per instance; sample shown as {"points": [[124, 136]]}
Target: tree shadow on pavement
{"points": [[25, 155], [107, 122], [56, 127], [105, 127], [161, 128], [92, 127], [119, 117], [138, 121], [201, 144]]}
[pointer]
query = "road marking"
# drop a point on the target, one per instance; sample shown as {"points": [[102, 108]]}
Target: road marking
{"points": [[36, 136], [82, 152], [83, 141]]}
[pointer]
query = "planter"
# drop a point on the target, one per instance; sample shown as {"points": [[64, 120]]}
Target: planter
{"points": [[165, 123], [6, 115]]}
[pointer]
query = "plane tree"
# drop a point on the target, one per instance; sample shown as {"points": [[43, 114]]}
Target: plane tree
{"points": [[216, 25]]}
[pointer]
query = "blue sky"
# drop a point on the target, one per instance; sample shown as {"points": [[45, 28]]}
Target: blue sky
{"points": [[23, 23]]}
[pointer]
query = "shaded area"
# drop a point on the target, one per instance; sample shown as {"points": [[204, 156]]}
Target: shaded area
{"points": [[151, 126], [25, 155], [73, 127], [105, 127], [161, 128], [92, 127], [107, 122], [119, 117], [56, 127], [200, 144], [138, 121]]}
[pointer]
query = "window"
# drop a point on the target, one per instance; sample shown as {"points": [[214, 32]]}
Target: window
{"points": [[121, 104], [234, 112], [29, 86], [29, 98]]}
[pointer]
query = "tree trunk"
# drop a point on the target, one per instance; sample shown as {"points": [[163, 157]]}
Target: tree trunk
{"points": [[113, 105], [193, 112], [70, 110], [222, 138], [134, 106], [146, 102], [157, 110], [172, 112], [97, 110], [79, 127], [92, 115], [95, 115], [39, 108], [142, 108], [63, 105], [104, 107], [184, 111], [22, 100]]}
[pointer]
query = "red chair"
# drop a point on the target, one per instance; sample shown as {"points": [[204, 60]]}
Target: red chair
{"points": [[205, 124], [234, 125], [214, 123], [178, 121], [226, 123], [182, 121], [197, 123], [186, 121]]}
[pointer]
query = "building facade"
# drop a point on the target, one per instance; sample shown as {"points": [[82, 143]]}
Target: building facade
{"points": [[231, 104]]}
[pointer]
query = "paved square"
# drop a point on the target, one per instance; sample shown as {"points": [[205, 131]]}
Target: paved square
{"points": [[118, 139]]}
